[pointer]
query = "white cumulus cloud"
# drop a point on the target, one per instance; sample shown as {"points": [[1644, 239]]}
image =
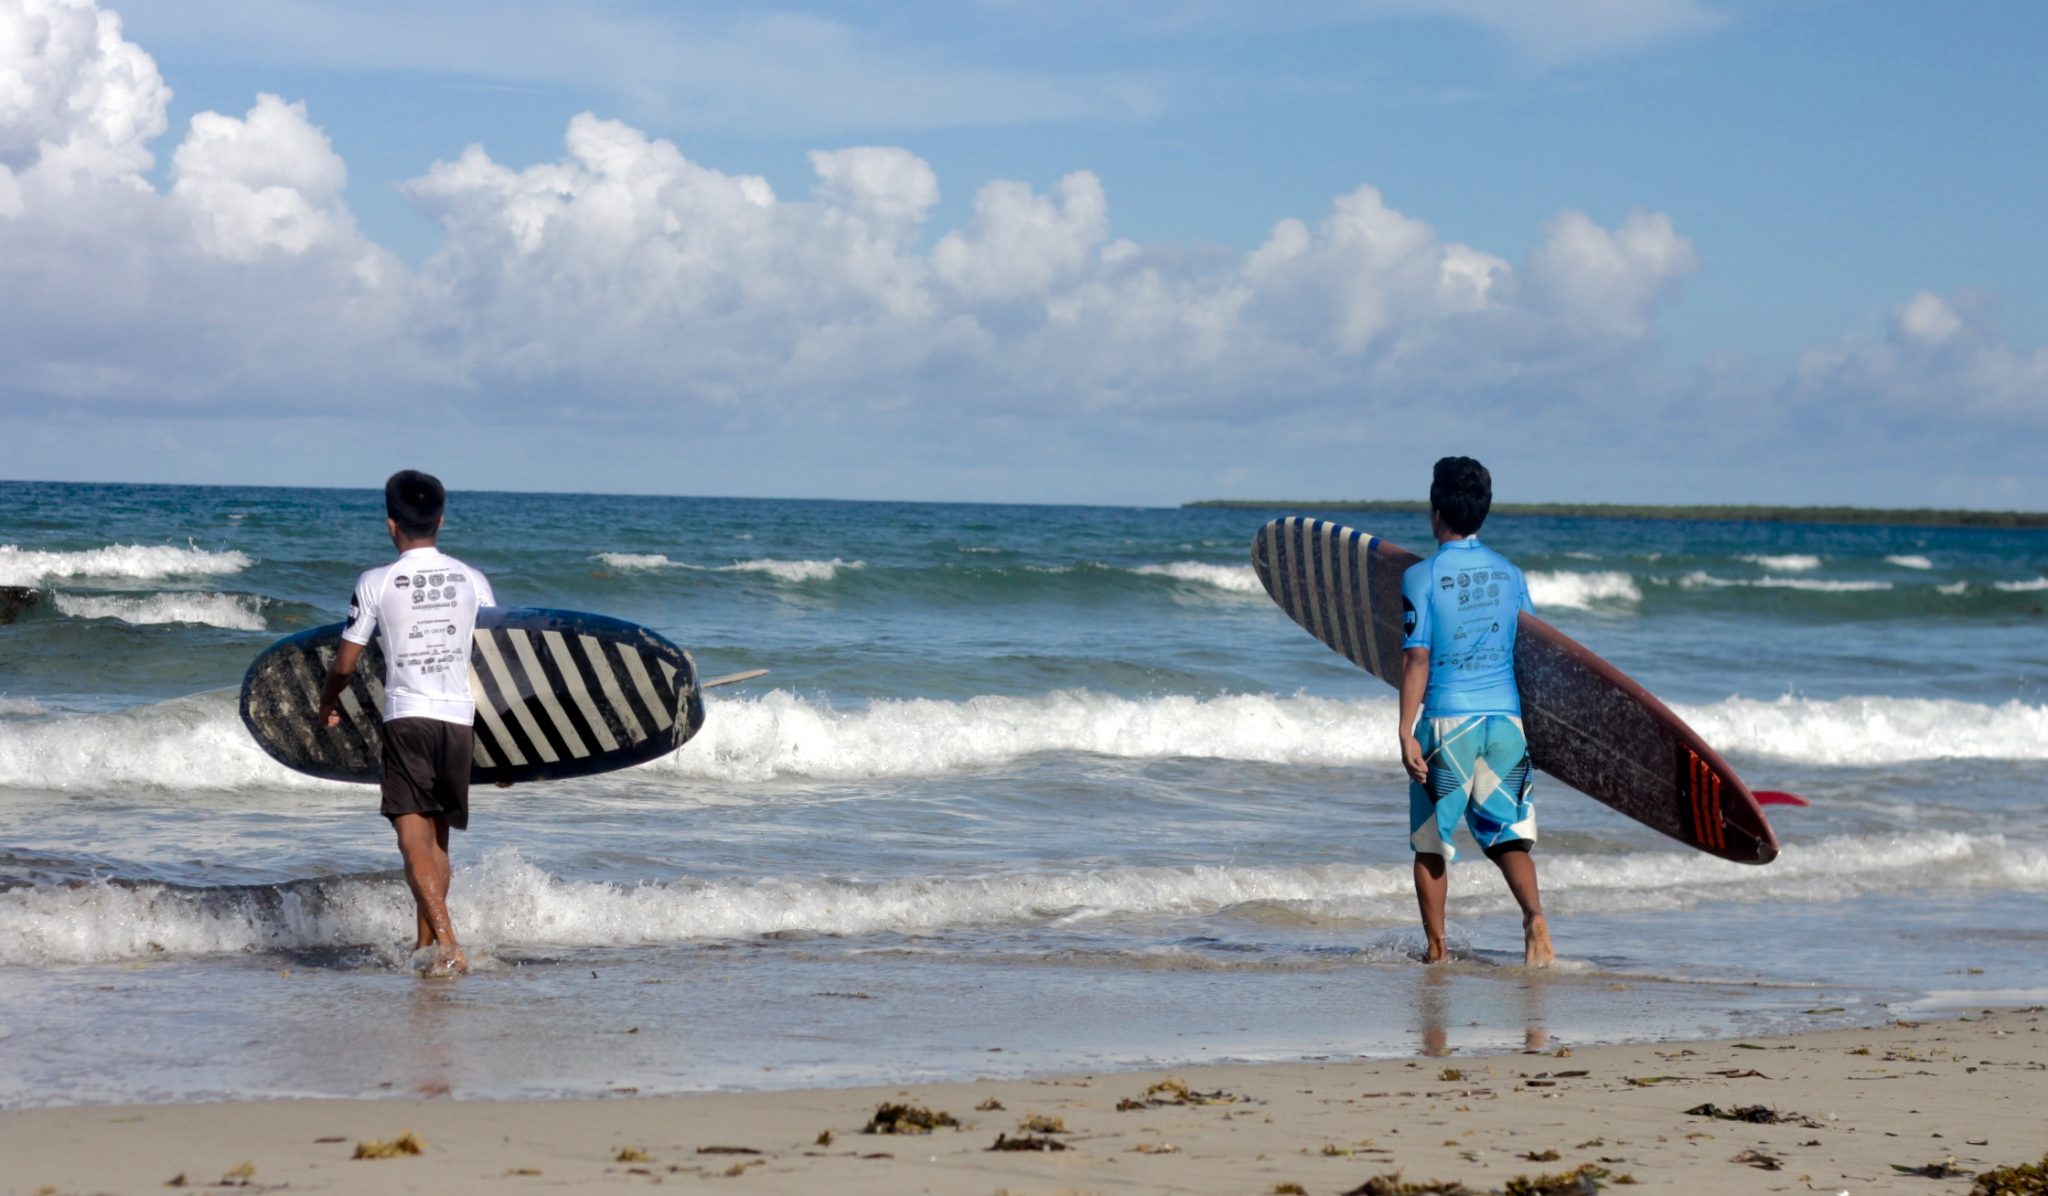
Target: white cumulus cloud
{"points": [[626, 280], [1942, 360]]}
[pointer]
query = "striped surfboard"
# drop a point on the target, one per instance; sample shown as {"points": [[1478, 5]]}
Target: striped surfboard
{"points": [[558, 694], [1588, 724]]}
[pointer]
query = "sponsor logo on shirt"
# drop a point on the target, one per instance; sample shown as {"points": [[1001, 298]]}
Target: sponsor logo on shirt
{"points": [[355, 611], [1449, 581], [1464, 579], [401, 581], [1408, 615], [419, 579]]}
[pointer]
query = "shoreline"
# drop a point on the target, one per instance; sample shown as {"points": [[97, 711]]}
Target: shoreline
{"points": [[1858, 1110]]}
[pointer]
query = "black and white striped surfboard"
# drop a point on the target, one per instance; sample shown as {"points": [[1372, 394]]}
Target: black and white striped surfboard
{"points": [[558, 694], [1589, 725], [1341, 586]]}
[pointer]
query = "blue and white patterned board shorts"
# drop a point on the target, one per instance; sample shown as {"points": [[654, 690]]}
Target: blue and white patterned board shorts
{"points": [[1478, 771]]}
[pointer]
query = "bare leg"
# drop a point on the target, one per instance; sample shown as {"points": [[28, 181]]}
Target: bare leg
{"points": [[1432, 884], [423, 844], [1520, 873]]}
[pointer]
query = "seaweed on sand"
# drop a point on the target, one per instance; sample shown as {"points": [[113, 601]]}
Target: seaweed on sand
{"points": [[1754, 1115], [403, 1146], [1175, 1091], [2025, 1179], [1391, 1184], [1027, 1142], [1583, 1182], [907, 1119]]}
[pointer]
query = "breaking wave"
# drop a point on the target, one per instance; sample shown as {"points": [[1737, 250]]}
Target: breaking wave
{"points": [[788, 571], [506, 900], [1796, 562], [1236, 579], [235, 612], [199, 742], [1702, 580], [139, 562], [1582, 591]]}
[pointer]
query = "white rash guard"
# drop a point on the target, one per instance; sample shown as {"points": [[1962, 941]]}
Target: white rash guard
{"points": [[425, 605]]}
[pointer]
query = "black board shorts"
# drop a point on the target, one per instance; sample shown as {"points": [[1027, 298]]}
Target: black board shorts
{"points": [[426, 769]]}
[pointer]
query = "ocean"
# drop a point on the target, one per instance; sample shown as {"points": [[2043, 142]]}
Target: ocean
{"points": [[1028, 788]]}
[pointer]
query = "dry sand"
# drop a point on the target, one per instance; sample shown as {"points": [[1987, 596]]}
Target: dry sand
{"points": [[1855, 1107]]}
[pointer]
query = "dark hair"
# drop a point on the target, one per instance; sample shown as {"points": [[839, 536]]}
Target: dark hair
{"points": [[414, 501], [1462, 492]]}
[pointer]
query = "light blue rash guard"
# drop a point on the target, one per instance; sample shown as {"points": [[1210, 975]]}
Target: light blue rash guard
{"points": [[1461, 604]]}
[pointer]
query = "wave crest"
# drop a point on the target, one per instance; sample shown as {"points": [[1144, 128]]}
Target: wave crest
{"points": [[140, 562], [1582, 591], [234, 612], [505, 899], [1236, 579]]}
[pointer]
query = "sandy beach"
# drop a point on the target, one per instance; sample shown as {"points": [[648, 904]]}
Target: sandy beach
{"points": [[1843, 1111]]}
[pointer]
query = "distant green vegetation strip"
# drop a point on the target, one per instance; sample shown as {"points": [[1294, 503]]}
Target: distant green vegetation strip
{"points": [[1917, 517]]}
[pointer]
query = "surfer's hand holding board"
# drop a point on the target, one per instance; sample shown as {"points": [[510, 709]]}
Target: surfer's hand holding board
{"points": [[1414, 682]]}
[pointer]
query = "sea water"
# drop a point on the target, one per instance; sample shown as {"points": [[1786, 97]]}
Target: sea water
{"points": [[1028, 788]]}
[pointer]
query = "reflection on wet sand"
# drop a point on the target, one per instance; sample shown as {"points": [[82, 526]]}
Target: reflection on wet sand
{"points": [[1437, 1002]]}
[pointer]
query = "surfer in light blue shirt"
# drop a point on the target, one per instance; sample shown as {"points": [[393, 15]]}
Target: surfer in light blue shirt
{"points": [[1461, 713]]}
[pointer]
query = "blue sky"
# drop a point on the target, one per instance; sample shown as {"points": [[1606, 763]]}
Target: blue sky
{"points": [[1626, 250]]}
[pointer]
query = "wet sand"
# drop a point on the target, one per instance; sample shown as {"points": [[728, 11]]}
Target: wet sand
{"points": [[1853, 1111]]}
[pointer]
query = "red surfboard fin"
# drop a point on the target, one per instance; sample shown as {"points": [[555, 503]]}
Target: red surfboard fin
{"points": [[1774, 797]]}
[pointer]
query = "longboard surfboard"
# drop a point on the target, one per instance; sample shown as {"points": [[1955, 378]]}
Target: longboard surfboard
{"points": [[1587, 723], [558, 694]]}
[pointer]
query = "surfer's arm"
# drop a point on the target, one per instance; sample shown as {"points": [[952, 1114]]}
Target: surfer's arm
{"points": [[1414, 684], [338, 674]]}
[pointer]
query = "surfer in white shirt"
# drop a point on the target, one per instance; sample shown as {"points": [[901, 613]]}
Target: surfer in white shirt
{"points": [[424, 606]]}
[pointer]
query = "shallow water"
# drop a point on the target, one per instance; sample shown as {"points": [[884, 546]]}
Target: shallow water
{"points": [[1059, 781]]}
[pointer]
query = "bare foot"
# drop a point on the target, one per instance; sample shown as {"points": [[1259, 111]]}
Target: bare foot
{"points": [[436, 960], [1434, 953], [1536, 952]]}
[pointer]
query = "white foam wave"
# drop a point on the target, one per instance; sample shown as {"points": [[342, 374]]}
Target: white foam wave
{"points": [[236, 612], [781, 735], [21, 707], [636, 560], [199, 742], [1910, 561], [1698, 580], [2023, 587], [1794, 562], [794, 571], [1868, 731], [1581, 591], [1236, 579], [196, 742], [505, 900], [1960, 587], [141, 562]]}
